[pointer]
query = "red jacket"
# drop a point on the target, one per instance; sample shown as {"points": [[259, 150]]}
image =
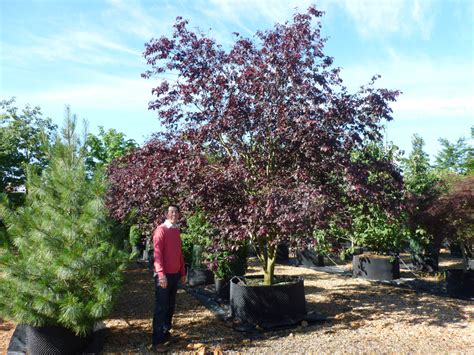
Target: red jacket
{"points": [[167, 251]]}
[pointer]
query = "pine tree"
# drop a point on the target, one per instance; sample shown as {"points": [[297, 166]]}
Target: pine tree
{"points": [[62, 268]]}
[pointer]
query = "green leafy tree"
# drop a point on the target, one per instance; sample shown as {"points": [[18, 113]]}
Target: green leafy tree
{"points": [[423, 188], [62, 268], [198, 232], [365, 224], [106, 146], [100, 150], [23, 135], [455, 157], [376, 230]]}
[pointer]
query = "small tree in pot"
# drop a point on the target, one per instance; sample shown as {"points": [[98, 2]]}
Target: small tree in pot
{"points": [[198, 232], [422, 190], [226, 263], [453, 213], [62, 271], [379, 226]]}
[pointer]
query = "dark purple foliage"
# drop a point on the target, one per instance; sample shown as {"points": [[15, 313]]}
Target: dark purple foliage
{"points": [[259, 136]]}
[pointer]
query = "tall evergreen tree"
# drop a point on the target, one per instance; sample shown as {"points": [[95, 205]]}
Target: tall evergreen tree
{"points": [[422, 185], [62, 268], [455, 157]]}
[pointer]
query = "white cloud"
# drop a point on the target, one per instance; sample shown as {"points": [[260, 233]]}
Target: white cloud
{"points": [[270, 10], [76, 46], [427, 107], [431, 88], [372, 18], [131, 17], [107, 92], [377, 18]]}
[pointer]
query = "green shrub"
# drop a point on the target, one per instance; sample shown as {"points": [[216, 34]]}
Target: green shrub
{"points": [[187, 248], [197, 235]]}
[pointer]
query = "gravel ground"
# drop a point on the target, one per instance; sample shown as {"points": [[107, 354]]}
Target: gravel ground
{"points": [[365, 317]]}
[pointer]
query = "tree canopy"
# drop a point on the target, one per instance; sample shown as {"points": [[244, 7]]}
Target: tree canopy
{"points": [[23, 136], [455, 157], [106, 146], [259, 136]]}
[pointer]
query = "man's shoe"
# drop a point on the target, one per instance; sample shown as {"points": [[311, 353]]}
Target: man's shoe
{"points": [[159, 348], [171, 338]]}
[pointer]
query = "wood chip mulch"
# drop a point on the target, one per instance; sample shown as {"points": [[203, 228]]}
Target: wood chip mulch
{"points": [[365, 317], [6, 332]]}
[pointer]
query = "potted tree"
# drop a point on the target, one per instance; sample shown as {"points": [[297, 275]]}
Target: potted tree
{"points": [[423, 188], [259, 136], [381, 236], [198, 232], [225, 264], [372, 231], [62, 271], [454, 213]]}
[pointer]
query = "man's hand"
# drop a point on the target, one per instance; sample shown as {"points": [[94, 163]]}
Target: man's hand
{"points": [[183, 280], [163, 281]]}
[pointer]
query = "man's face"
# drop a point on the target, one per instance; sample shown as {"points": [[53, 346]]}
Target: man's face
{"points": [[173, 215]]}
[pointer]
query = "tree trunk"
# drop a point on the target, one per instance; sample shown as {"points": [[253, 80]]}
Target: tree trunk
{"points": [[466, 251], [266, 254], [269, 270]]}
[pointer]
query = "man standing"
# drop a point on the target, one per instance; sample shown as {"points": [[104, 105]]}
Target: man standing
{"points": [[168, 270]]}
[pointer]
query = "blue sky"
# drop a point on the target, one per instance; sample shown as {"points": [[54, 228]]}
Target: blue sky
{"points": [[88, 54]]}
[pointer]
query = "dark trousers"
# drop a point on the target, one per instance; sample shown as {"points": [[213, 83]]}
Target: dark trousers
{"points": [[165, 300]]}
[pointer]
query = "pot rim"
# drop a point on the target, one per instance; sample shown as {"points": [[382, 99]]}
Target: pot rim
{"points": [[293, 280]]}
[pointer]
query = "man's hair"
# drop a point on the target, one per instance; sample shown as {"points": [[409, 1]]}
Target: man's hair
{"points": [[172, 205]]}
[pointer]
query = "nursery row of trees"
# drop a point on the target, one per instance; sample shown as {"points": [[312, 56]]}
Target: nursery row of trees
{"points": [[368, 226]]}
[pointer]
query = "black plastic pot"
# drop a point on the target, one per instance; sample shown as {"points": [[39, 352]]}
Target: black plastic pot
{"points": [[455, 250], [52, 340], [308, 257], [282, 254], [267, 306], [197, 277], [222, 288], [460, 283], [375, 267]]}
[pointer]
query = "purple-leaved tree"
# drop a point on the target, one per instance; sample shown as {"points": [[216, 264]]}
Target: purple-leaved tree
{"points": [[259, 136]]}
